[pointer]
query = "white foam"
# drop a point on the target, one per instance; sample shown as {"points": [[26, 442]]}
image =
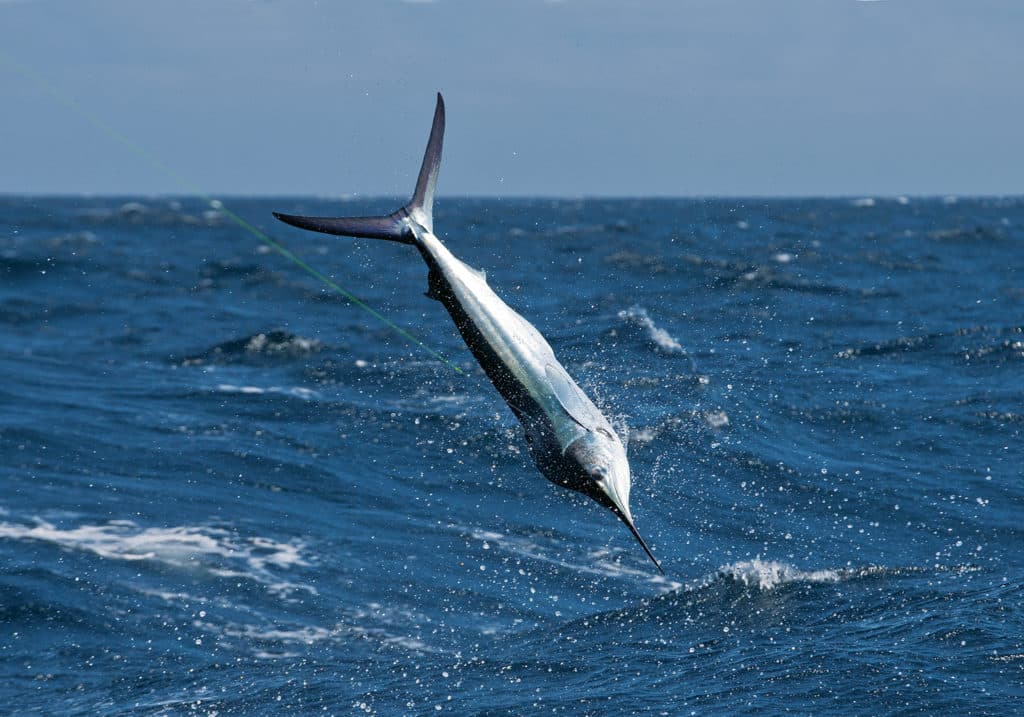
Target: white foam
{"points": [[643, 436], [296, 391], [662, 340], [1008, 658], [865, 202], [716, 419], [770, 574], [275, 344], [341, 634], [308, 635], [213, 550], [607, 563], [602, 561]]}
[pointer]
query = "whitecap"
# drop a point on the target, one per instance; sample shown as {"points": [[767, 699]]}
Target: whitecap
{"points": [[643, 436], [770, 574], [258, 638], [716, 419], [132, 209], [302, 392], [216, 551], [1008, 658], [602, 561], [662, 340], [281, 342]]}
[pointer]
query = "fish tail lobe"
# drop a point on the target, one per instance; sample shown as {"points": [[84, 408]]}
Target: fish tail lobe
{"points": [[402, 225]]}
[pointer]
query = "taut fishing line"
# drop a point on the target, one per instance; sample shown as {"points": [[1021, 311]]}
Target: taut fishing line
{"points": [[138, 150]]}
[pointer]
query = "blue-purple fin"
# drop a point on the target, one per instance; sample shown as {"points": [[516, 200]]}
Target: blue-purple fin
{"points": [[397, 226], [421, 208], [393, 227]]}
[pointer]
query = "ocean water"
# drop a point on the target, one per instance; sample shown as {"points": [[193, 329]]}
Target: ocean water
{"points": [[227, 491]]}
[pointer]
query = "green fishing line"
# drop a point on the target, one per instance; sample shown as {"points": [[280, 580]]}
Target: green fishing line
{"points": [[70, 103]]}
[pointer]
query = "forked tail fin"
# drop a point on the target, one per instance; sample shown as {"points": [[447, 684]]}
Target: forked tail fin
{"points": [[397, 226], [421, 208]]}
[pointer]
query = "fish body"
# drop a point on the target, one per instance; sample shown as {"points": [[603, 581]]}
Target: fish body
{"points": [[570, 440]]}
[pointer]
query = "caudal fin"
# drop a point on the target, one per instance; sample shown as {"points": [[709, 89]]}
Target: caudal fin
{"points": [[397, 226], [393, 227], [421, 208]]}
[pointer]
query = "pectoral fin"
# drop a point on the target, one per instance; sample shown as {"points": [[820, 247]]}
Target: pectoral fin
{"points": [[570, 397]]}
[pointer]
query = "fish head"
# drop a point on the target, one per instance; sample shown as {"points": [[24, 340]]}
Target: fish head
{"points": [[599, 459], [602, 470]]}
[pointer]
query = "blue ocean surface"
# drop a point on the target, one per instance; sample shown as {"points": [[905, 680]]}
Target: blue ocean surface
{"points": [[228, 491]]}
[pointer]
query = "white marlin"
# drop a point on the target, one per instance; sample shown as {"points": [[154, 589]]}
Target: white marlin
{"points": [[571, 441]]}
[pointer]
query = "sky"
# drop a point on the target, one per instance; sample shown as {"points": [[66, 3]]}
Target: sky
{"points": [[573, 98]]}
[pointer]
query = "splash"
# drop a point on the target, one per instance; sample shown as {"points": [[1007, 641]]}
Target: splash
{"points": [[606, 562], [770, 574], [269, 344], [662, 341]]}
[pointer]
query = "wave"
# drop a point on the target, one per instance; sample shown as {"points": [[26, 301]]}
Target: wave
{"points": [[158, 213], [605, 562], [636, 317], [217, 551], [971, 234], [269, 344], [230, 619], [675, 425], [767, 575], [1001, 416], [1008, 348], [945, 340], [272, 641], [767, 277], [302, 392]]}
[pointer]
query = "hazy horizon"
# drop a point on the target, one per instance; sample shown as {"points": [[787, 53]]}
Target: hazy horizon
{"points": [[441, 198]]}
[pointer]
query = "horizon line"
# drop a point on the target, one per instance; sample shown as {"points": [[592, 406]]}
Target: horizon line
{"points": [[346, 198]]}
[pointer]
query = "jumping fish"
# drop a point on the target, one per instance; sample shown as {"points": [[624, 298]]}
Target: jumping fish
{"points": [[572, 443]]}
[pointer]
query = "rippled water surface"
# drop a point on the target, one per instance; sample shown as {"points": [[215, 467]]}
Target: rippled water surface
{"points": [[227, 491]]}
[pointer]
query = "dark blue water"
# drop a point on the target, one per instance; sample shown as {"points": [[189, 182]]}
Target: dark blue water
{"points": [[227, 491]]}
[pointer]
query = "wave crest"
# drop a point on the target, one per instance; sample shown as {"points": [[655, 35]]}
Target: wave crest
{"points": [[770, 574], [659, 338], [214, 550]]}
